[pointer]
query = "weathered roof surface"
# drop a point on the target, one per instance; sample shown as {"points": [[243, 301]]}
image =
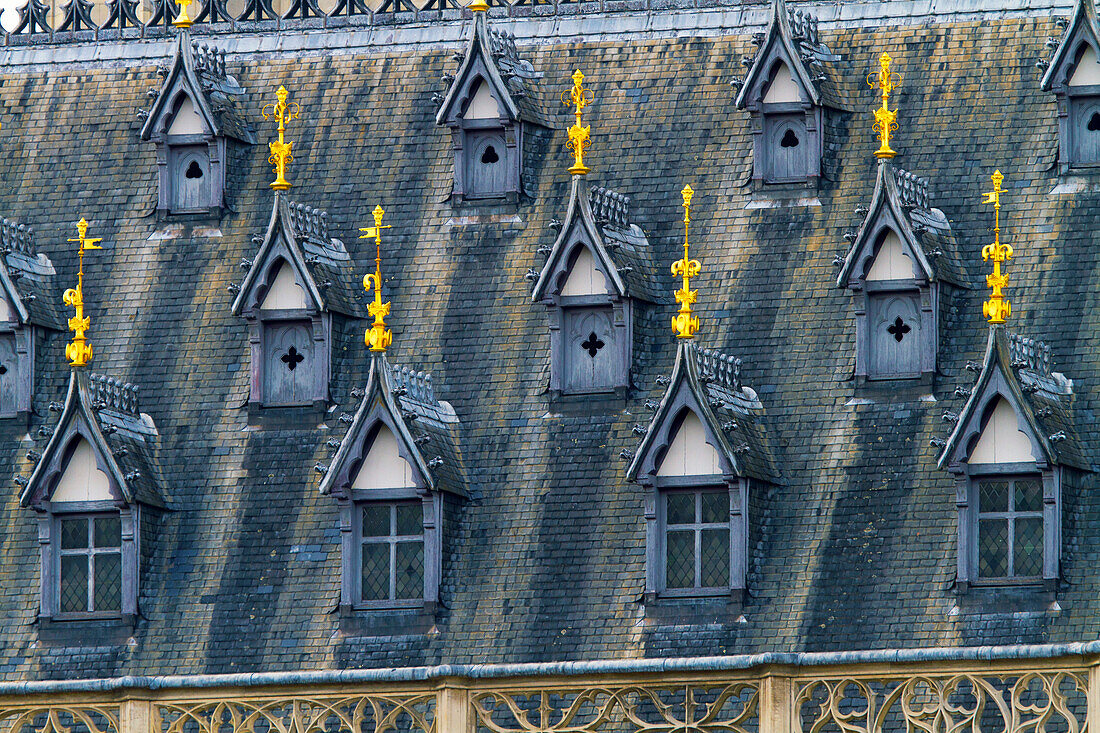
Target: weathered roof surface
{"points": [[548, 561]]}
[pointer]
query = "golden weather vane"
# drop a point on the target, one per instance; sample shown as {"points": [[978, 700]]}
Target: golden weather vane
{"points": [[183, 20], [280, 150], [886, 119], [378, 337], [996, 309], [578, 97], [684, 325], [79, 351]]}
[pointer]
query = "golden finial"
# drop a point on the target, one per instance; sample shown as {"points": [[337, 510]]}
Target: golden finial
{"points": [[478, 6], [579, 98], [886, 119], [684, 325], [182, 19], [378, 336], [996, 309], [79, 351], [280, 151]]}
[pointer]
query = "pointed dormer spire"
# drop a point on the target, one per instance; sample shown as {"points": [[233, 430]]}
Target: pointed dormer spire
{"points": [[886, 119], [183, 20], [579, 98], [79, 351], [996, 309], [280, 150], [378, 337], [684, 324]]}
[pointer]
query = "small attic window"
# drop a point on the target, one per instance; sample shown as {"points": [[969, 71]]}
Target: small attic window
{"points": [[1001, 440], [82, 480], [786, 153], [486, 167], [1079, 107], [584, 276], [689, 453], [284, 293]]}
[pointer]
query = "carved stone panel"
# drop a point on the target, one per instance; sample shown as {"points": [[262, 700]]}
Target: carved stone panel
{"points": [[895, 331], [590, 352], [288, 363]]}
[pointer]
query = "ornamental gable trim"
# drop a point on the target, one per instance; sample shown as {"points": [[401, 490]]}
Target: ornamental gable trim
{"points": [[34, 300], [104, 412], [1017, 370], [783, 44], [426, 431], [709, 384], [1083, 30], [483, 50]]}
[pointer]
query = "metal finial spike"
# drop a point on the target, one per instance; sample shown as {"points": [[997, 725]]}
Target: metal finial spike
{"points": [[578, 97], [684, 324], [886, 119], [997, 309], [281, 150], [478, 6], [378, 337], [183, 20], [79, 351]]}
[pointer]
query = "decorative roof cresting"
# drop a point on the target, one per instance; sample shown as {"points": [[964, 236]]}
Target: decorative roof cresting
{"points": [[684, 324], [79, 351], [997, 309], [378, 337]]}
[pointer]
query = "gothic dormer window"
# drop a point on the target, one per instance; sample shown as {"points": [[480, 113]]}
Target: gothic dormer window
{"points": [[300, 280], [597, 273], [195, 124], [28, 301], [902, 254], [95, 490], [1073, 76], [787, 93], [1011, 451], [489, 111], [395, 475], [701, 457]]}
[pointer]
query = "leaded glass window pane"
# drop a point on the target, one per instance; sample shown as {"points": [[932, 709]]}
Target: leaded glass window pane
{"points": [[391, 544], [1010, 528], [108, 582], [696, 540], [74, 584], [680, 562], [90, 564]]}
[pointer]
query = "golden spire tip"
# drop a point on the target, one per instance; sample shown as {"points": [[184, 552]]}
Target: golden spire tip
{"points": [[281, 150], [478, 6], [79, 351], [997, 309], [378, 337], [886, 119], [578, 97], [684, 324]]}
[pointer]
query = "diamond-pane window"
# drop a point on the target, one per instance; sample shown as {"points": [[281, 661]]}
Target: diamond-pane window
{"points": [[391, 551], [1010, 528], [697, 540], [90, 564]]}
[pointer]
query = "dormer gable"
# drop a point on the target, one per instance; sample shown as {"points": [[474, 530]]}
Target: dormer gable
{"points": [[479, 82], [706, 424], [1075, 59], [1073, 75], [779, 69], [400, 437], [101, 450]]}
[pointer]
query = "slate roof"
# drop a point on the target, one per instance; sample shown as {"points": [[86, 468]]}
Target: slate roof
{"points": [[549, 562]]}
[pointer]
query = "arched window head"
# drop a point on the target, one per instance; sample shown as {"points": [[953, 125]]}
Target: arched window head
{"points": [[482, 106], [782, 87], [892, 261], [1086, 72], [284, 291], [584, 276], [82, 479], [383, 467], [689, 453], [186, 121], [1001, 440]]}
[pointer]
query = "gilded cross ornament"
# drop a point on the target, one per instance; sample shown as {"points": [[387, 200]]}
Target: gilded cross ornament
{"points": [[183, 20], [280, 150], [578, 98], [378, 337], [996, 309], [684, 324], [886, 119], [79, 351]]}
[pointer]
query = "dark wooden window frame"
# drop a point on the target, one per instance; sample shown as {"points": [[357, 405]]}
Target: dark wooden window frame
{"points": [[321, 324], [761, 116], [927, 307], [462, 134], [23, 335], [1070, 128]]}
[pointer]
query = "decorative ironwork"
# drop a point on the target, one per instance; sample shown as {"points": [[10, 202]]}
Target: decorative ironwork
{"points": [[182, 19], [579, 98], [1029, 353], [281, 150], [308, 222], [349, 714], [16, 237], [721, 368], [79, 351], [378, 337], [886, 119], [416, 386], [996, 309], [113, 394], [610, 207], [684, 324], [1035, 702], [912, 190], [208, 60], [641, 709]]}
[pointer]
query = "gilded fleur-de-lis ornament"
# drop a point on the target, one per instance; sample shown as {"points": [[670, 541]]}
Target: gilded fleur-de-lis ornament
{"points": [[886, 119], [684, 324], [280, 149], [79, 351], [378, 337], [578, 98], [997, 309]]}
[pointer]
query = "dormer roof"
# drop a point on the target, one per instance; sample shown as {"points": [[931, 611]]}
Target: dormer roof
{"points": [[1083, 28], [900, 204], [198, 72], [708, 383], [491, 56], [298, 235], [28, 279], [104, 412], [792, 39], [598, 219], [1017, 369], [426, 429]]}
